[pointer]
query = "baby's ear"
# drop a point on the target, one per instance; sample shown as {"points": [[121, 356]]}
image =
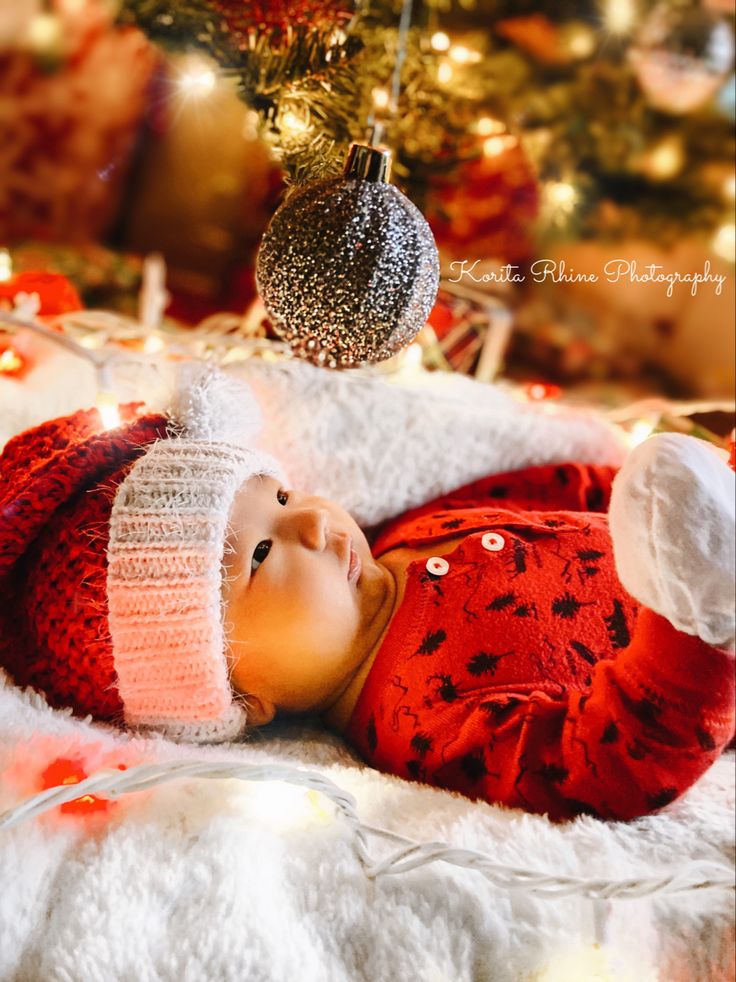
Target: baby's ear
{"points": [[259, 711]]}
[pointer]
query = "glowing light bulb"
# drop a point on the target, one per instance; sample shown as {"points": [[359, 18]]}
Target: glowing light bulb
{"points": [[581, 42], [729, 188], [444, 72], [561, 195], [293, 123], [666, 159], [44, 32], [413, 358], [153, 344], [107, 406], [639, 432], [11, 362], [724, 242], [91, 341], [6, 266], [582, 964], [197, 81], [486, 126], [380, 97], [440, 41], [462, 55], [318, 810], [496, 145], [619, 16], [283, 806]]}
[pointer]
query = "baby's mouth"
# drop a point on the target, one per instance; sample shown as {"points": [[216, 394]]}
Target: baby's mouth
{"points": [[354, 565]]}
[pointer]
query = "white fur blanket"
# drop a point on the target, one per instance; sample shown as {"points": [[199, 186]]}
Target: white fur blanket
{"points": [[202, 880]]}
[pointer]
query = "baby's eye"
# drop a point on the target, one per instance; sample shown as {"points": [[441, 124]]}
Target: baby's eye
{"points": [[259, 554], [282, 497]]}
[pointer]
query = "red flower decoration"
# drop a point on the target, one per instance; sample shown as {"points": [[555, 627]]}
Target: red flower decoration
{"points": [[12, 362], [46, 761], [56, 293], [66, 771], [542, 390]]}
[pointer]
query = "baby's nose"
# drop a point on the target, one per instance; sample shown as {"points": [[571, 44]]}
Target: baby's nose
{"points": [[312, 526]]}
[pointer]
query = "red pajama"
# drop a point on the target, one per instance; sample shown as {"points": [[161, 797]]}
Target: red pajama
{"points": [[518, 670]]}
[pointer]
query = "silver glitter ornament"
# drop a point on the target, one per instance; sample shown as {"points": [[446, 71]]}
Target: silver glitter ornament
{"points": [[348, 268]]}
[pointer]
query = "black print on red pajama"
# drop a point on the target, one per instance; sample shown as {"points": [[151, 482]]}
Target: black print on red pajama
{"points": [[568, 606], [584, 564], [589, 761], [421, 744], [447, 690], [659, 799], [473, 766], [546, 661], [574, 654], [618, 628], [649, 713], [499, 709], [485, 663], [610, 734], [416, 772], [431, 641], [637, 750], [705, 739], [400, 708], [474, 578], [505, 600], [433, 580], [517, 562]]}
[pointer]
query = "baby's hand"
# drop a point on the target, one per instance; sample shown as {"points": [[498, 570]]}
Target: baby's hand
{"points": [[672, 523]]}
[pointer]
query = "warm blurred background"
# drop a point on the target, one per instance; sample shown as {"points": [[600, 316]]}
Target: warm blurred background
{"points": [[572, 133]]}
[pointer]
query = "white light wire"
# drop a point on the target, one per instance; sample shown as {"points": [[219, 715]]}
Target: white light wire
{"points": [[217, 334], [697, 875]]}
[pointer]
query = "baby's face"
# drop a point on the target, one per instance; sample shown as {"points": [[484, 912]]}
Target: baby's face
{"points": [[305, 600]]}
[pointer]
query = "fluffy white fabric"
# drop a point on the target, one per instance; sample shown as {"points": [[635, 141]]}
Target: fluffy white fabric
{"points": [[197, 880], [380, 447], [672, 519]]}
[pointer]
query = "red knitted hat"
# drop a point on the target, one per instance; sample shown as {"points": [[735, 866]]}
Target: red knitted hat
{"points": [[58, 487], [111, 558]]}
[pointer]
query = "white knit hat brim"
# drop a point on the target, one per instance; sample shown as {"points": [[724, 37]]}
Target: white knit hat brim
{"points": [[166, 545]]}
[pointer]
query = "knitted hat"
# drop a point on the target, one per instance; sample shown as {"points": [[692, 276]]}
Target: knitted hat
{"points": [[111, 552]]}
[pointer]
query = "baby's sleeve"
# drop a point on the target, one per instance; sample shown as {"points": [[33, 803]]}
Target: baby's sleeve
{"points": [[652, 722]]}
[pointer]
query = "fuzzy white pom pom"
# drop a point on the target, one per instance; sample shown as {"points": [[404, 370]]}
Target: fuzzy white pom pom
{"points": [[672, 524], [207, 404]]}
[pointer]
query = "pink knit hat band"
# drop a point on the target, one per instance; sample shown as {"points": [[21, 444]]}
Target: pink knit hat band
{"points": [[168, 528]]}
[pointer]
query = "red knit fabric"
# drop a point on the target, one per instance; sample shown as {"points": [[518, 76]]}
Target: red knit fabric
{"points": [[525, 674], [57, 485]]}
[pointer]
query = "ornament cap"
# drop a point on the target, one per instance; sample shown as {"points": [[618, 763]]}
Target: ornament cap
{"points": [[367, 163]]}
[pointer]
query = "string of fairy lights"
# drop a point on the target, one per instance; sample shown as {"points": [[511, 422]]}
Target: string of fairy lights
{"points": [[678, 879]]}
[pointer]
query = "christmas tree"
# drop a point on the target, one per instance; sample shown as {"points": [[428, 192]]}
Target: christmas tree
{"points": [[594, 117]]}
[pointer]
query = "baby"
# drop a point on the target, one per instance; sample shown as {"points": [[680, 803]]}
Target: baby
{"points": [[160, 576]]}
